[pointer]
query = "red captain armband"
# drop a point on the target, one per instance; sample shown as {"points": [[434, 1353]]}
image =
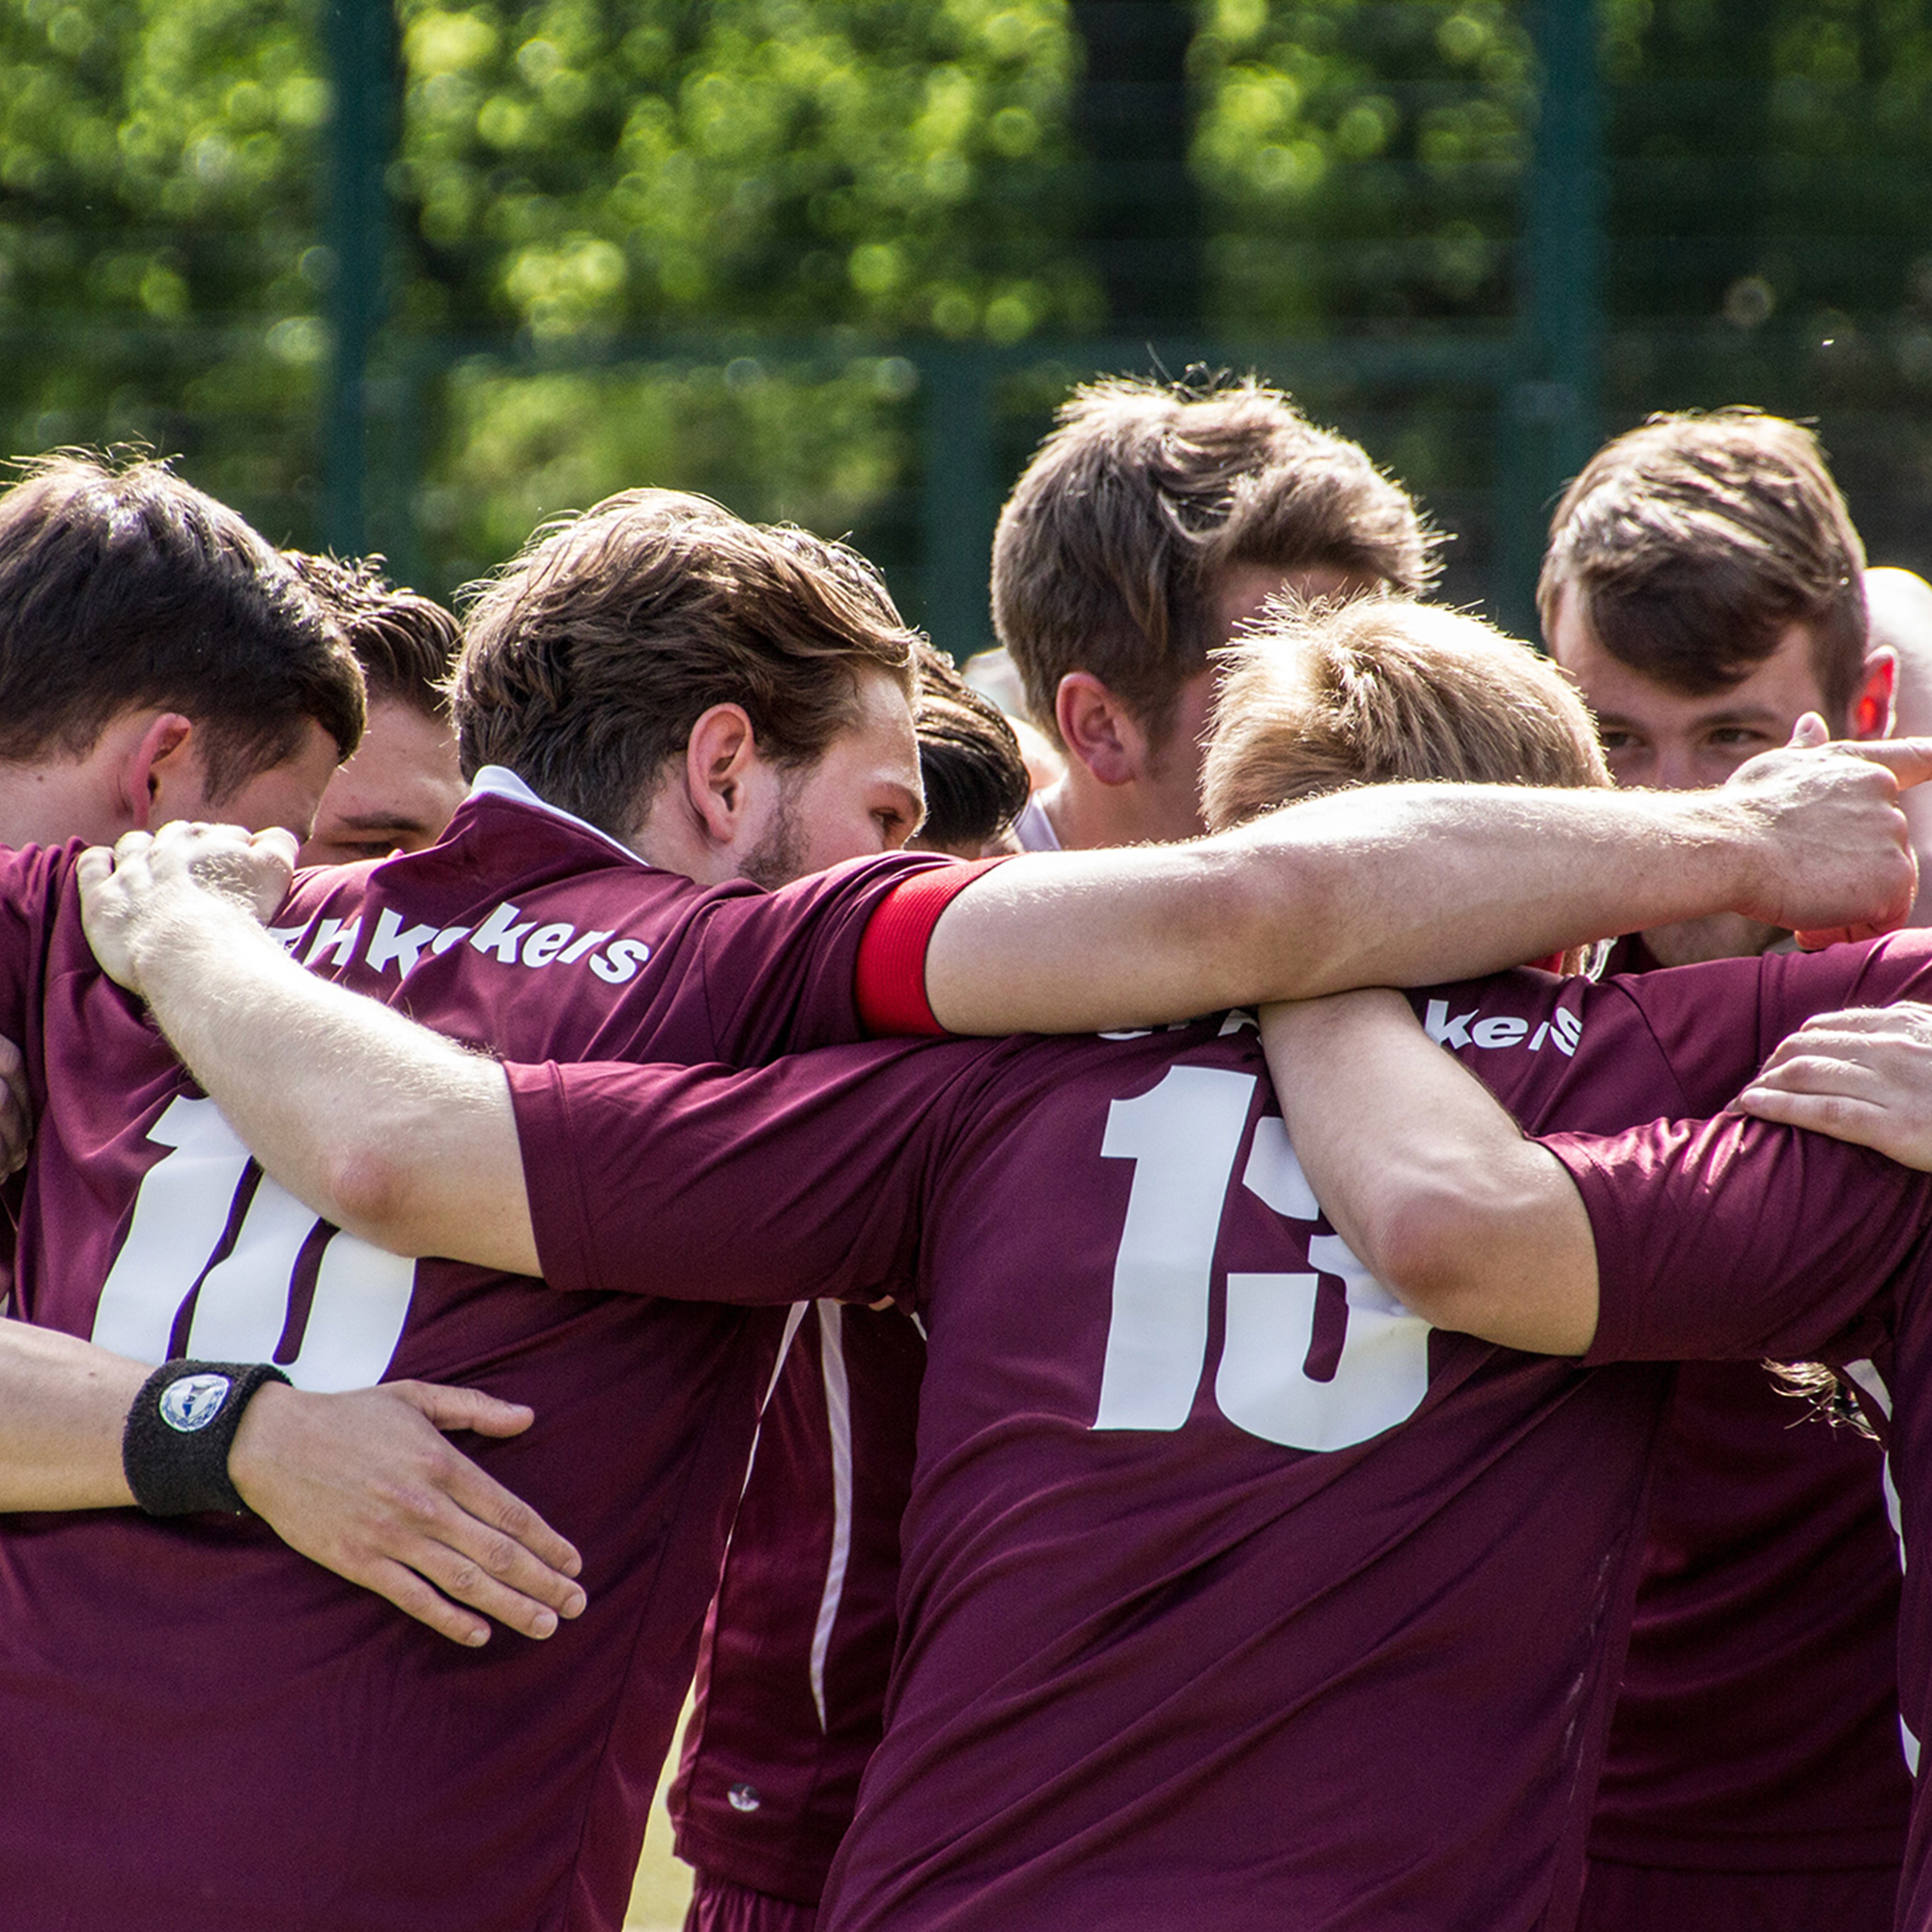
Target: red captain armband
{"points": [[890, 978]]}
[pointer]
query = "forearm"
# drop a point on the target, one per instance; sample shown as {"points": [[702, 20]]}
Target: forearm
{"points": [[380, 1126], [1429, 1181], [1397, 885], [63, 1405]]}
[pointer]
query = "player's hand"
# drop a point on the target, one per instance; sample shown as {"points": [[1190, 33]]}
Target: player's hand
{"points": [[1838, 864], [128, 896], [1863, 1076], [16, 1118], [364, 1484]]}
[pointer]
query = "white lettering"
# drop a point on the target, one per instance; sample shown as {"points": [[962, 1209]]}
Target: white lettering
{"points": [[337, 938], [447, 938], [1498, 1032], [620, 963], [1445, 1031], [392, 943], [496, 934], [587, 943], [546, 943], [1566, 1029]]}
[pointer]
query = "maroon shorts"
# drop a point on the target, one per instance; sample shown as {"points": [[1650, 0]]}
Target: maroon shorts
{"points": [[717, 1905], [1649, 1899]]}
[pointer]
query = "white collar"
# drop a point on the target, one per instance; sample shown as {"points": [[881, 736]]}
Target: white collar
{"points": [[499, 781]]}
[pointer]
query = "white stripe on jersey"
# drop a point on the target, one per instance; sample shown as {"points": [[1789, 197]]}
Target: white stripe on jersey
{"points": [[839, 1417]]}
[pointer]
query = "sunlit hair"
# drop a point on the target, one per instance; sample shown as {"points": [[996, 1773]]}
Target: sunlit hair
{"points": [[1693, 544], [1322, 698], [406, 642], [1115, 543], [968, 760], [587, 660], [123, 587]]}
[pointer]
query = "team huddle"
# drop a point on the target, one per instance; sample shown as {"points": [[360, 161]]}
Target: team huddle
{"points": [[940, 1232]]}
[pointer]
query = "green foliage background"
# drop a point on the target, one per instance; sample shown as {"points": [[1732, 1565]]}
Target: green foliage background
{"points": [[607, 210]]}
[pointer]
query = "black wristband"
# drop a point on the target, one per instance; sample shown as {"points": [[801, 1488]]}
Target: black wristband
{"points": [[180, 1430]]}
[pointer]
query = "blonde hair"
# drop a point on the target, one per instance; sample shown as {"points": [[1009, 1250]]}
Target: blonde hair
{"points": [[1331, 695]]}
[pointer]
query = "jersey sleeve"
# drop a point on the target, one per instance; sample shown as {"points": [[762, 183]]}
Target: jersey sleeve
{"points": [[28, 881], [783, 969], [798, 1180], [1732, 1238]]}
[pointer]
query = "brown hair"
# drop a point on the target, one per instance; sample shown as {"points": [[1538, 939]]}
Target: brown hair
{"points": [[1694, 542], [406, 642], [1115, 541], [589, 657], [1363, 692], [123, 587], [970, 763]]}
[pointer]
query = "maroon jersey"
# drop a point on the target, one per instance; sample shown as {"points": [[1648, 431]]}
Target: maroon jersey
{"points": [[791, 1681], [1756, 1728], [1232, 1596], [210, 1730]]}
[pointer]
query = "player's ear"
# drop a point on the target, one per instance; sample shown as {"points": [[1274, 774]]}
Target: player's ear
{"points": [[1872, 709], [1098, 730], [161, 777], [718, 758]]}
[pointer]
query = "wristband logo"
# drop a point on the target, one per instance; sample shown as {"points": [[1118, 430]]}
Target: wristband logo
{"points": [[193, 1401]]}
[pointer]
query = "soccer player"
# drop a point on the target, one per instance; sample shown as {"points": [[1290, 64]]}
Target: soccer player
{"points": [[1721, 1238], [159, 659], [396, 794], [661, 705], [1705, 587], [1149, 529], [1152, 525], [1234, 1596]]}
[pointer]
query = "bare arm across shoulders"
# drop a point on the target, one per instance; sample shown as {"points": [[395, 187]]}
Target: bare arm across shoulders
{"points": [[409, 1142], [1428, 1179], [1407, 885]]}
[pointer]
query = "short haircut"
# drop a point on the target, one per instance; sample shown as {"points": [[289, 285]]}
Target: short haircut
{"points": [[1112, 548], [1378, 689], [406, 642], [587, 659], [969, 759], [1694, 542], [122, 586]]}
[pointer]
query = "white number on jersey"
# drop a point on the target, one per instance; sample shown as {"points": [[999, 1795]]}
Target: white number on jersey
{"points": [[1183, 1137], [185, 1204]]}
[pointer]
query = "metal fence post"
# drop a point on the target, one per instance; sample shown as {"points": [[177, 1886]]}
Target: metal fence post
{"points": [[959, 497], [361, 59], [1548, 423]]}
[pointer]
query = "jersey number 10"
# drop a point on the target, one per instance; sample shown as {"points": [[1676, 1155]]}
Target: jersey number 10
{"points": [[184, 1207], [1183, 1137]]}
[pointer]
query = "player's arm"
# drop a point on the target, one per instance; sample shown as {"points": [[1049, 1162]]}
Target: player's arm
{"points": [[1864, 1076], [363, 1483], [1428, 1179], [1409, 885]]}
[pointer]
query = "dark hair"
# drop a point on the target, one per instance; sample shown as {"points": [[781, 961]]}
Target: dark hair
{"points": [[406, 642], [968, 760], [122, 586], [1113, 546], [1694, 542], [588, 659]]}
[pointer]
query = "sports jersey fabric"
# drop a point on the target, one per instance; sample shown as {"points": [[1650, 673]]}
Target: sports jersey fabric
{"points": [[205, 1728], [1232, 1595], [1756, 1728], [791, 1680]]}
